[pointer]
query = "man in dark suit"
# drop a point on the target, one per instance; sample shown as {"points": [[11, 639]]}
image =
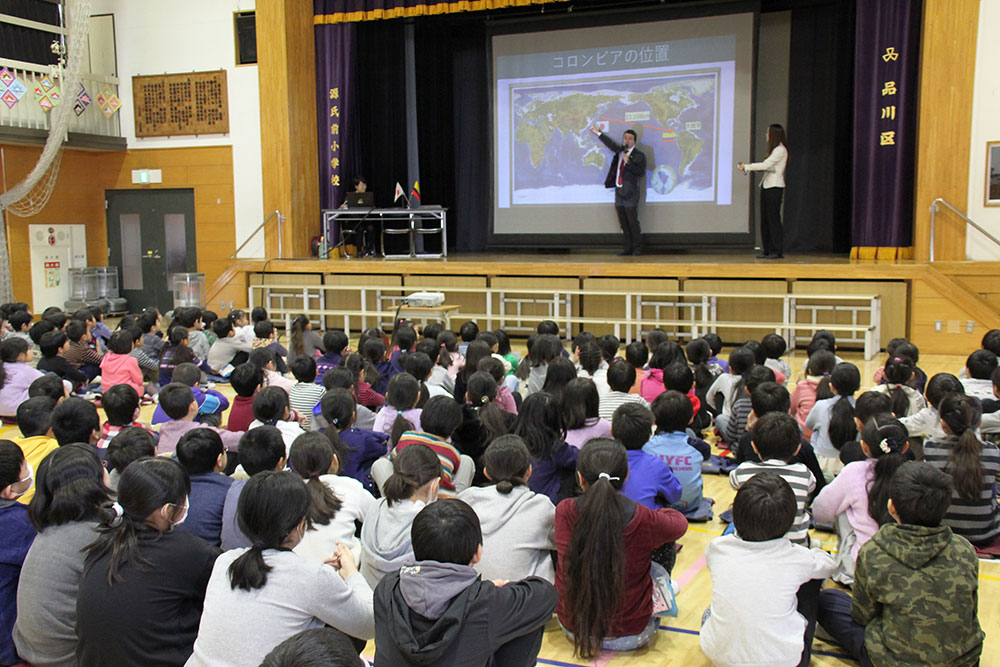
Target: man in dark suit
{"points": [[627, 166]]}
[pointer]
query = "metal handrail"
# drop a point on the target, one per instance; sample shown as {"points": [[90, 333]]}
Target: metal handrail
{"points": [[281, 219], [969, 221]]}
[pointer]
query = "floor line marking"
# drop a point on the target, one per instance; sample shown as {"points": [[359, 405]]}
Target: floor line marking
{"points": [[685, 577]]}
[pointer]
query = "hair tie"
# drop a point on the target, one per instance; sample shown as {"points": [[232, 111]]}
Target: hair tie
{"points": [[608, 477], [335, 421], [443, 345], [119, 513], [484, 400], [896, 359], [885, 446], [826, 374]]}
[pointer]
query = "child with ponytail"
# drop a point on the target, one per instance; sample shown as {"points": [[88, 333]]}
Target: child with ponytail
{"points": [[818, 367], [831, 420], [273, 591], [517, 523], [336, 501], [143, 584], [605, 576], [855, 501], [973, 465], [906, 401], [385, 535], [271, 408], [400, 412], [363, 447]]}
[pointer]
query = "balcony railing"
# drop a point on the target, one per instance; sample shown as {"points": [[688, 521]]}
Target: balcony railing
{"points": [[98, 108]]}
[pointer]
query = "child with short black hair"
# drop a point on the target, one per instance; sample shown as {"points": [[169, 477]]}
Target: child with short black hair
{"points": [[776, 441], [203, 455], [131, 444], [756, 575], [267, 361], [679, 377], [245, 381], [118, 366], [715, 347], [52, 345], [650, 480], [439, 419], [621, 378], [440, 611], [305, 395], [227, 350], [979, 369], [684, 454], [916, 584], [468, 332], [80, 353], [48, 385], [335, 342], [637, 354], [211, 403], [178, 402], [75, 420], [18, 534], [729, 386], [736, 426], [34, 417], [774, 346], [266, 338], [121, 406]]}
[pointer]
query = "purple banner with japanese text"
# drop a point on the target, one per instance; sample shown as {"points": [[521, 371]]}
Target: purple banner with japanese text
{"points": [[887, 52], [339, 152]]}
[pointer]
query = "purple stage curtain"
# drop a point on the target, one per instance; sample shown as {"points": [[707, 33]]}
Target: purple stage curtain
{"points": [[887, 52], [347, 11], [339, 149]]}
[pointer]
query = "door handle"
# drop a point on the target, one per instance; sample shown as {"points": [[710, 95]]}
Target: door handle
{"points": [[152, 254]]}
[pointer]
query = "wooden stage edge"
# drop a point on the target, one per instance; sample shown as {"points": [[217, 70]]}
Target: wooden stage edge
{"points": [[587, 265]]}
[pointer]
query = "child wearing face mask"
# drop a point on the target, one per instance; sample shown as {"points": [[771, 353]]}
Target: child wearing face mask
{"points": [[18, 534]]}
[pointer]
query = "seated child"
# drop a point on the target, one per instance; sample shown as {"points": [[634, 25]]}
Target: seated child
{"points": [[916, 585], [715, 347], [756, 575], [241, 325], [637, 354], [439, 419], [581, 403], [666, 354], [776, 441], [906, 401], [650, 480], [831, 420], [52, 345], [737, 424], [266, 360], [118, 366], [121, 406], [335, 342], [203, 455], [729, 386], [772, 397], [420, 621], [341, 378], [189, 317], [337, 503], [855, 501], [261, 449], [621, 377], [76, 421], [385, 535], [82, 352], [867, 405], [270, 408], [208, 318], [363, 447], [926, 422], [517, 523], [679, 377], [603, 531], [265, 338], [400, 411], [152, 340], [174, 354], [505, 399], [228, 350], [33, 418], [539, 424], [18, 534], [819, 366], [305, 394], [16, 374], [50, 386], [364, 375], [245, 381], [979, 367], [211, 403], [774, 346], [177, 401], [272, 590], [419, 365], [671, 444], [130, 445]]}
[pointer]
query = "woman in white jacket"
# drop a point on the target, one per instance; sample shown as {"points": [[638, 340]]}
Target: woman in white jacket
{"points": [[518, 524], [772, 190]]}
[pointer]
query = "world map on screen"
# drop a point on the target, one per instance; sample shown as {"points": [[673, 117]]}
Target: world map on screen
{"points": [[556, 156]]}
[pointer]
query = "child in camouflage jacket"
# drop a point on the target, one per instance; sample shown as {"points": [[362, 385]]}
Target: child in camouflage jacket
{"points": [[915, 584]]}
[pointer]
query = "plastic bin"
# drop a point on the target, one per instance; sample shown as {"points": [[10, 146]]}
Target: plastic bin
{"points": [[189, 289]]}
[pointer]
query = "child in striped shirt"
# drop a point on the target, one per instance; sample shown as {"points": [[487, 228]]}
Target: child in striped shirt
{"points": [[305, 395], [776, 441]]}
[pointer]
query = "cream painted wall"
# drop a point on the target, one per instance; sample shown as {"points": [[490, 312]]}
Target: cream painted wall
{"points": [[156, 37], [985, 127]]}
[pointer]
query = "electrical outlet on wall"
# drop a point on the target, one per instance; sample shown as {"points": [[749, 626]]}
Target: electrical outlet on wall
{"points": [[937, 325], [970, 326]]}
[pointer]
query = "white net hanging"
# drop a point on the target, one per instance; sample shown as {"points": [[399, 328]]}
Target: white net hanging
{"points": [[31, 195]]}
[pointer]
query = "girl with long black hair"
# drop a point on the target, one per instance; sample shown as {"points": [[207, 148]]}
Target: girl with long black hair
{"points": [[540, 424], [605, 541], [831, 420], [261, 596], [143, 584]]}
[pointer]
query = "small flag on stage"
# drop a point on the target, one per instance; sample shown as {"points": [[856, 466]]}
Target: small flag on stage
{"points": [[399, 193], [416, 191]]}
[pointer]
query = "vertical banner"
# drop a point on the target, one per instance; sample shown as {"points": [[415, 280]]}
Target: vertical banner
{"points": [[887, 51], [339, 150]]}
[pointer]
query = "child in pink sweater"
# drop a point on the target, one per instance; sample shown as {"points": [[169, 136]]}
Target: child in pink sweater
{"points": [[119, 366], [819, 366], [856, 500]]}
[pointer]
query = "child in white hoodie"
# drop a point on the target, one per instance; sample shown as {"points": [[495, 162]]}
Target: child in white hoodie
{"points": [[518, 524], [385, 534]]}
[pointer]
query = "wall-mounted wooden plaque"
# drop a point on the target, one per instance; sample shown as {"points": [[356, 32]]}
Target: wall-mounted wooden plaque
{"points": [[176, 104]]}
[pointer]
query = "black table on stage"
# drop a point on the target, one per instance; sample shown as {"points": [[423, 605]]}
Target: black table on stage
{"points": [[411, 222]]}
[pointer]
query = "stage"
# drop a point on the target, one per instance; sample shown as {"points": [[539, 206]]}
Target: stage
{"points": [[946, 306]]}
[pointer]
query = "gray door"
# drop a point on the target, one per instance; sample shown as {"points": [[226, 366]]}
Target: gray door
{"points": [[151, 237]]}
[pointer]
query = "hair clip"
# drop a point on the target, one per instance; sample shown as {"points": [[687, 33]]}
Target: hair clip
{"points": [[608, 477], [119, 513], [484, 399], [885, 446]]}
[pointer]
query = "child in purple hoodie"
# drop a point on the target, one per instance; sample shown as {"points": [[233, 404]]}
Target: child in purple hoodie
{"points": [[211, 404]]}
